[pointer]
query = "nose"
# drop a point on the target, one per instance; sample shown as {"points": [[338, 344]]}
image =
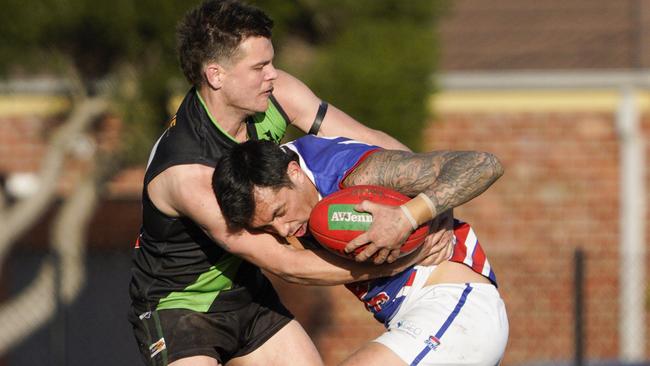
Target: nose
{"points": [[283, 229], [271, 72]]}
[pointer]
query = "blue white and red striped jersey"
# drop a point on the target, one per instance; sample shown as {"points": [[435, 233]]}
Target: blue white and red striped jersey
{"points": [[327, 161]]}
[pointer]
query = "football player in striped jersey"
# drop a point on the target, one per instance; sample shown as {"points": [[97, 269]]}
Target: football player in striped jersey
{"points": [[445, 314]]}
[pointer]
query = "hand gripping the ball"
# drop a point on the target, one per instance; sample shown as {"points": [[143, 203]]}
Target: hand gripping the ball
{"points": [[389, 229], [364, 222]]}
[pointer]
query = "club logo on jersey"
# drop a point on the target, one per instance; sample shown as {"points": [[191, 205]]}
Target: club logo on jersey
{"points": [[270, 136], [375, 304], [432, 342], [344, 217]]}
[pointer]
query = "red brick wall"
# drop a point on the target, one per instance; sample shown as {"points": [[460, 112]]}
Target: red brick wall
{"points": [[560, 191], [21, 143]]}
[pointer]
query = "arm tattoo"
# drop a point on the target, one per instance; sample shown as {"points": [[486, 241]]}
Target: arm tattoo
{"points": [[449, 178]]}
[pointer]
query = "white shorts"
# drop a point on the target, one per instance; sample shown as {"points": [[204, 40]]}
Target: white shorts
{"points": [[449, 324]]}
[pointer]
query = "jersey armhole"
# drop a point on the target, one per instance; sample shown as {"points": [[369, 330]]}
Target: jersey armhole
{"points": [[277, 105], [361, 159]]}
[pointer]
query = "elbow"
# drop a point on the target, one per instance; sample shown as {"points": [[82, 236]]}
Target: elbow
{"points": [[286, 273], [300, 279], [292, 273], [295, 279], [495, 168]]}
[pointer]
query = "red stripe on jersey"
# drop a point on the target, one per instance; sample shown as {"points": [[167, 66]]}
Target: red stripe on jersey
{"points": [[409, 282], [460, 249], [478, 258]]}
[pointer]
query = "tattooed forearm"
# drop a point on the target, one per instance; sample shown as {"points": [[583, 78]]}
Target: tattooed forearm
{"points": [[464, 177], [449, 178]]}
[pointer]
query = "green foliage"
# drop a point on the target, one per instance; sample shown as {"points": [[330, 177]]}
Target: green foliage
{"points": [[97, 36], [373, 59], [374, 74]]}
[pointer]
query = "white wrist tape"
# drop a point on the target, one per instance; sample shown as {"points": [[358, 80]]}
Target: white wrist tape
{"points": [[432, 207], [408, 215], [419, 210]]}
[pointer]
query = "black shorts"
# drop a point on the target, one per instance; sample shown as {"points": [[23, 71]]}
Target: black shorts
{"points": [[165, 336]]}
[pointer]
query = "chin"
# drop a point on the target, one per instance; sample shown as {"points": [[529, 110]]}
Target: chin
{"points": [[262, 106]]}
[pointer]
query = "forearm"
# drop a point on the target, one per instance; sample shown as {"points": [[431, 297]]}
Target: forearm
{"points": [[308, 266], [319, 267], [386, 141], [301, 105], [448, 178], [466, 175], [338, 123]]}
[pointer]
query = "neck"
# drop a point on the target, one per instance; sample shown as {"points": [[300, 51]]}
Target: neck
{"points": [[313, 193], [231, 119]]}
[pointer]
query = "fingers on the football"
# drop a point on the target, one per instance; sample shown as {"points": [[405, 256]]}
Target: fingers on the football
{"points": [[444, 240], [392, 257], [356, 242], [363, 206], [381, 256], [366, 253], [435, 236]]}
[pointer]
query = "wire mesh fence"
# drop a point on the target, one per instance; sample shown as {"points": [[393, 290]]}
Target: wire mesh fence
{"points": [[93, 330]]}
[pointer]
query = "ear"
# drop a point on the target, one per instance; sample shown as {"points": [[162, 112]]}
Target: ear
{"points": [[214, 74], [295, 173]]}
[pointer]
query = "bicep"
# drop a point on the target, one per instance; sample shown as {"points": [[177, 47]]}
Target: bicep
{"points": [[297, 100], [402, 171], [301, 105]]}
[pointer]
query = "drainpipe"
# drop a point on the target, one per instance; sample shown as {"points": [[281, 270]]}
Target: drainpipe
{"points": [[632, 220]]}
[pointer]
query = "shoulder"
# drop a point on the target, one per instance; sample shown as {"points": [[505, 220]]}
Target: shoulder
{"points": [[297, 100], [287, 84], [170, 193]]}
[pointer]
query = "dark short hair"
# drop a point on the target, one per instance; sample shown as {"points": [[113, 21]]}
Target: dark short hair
{"points": [[213, 31], [246, 166]]}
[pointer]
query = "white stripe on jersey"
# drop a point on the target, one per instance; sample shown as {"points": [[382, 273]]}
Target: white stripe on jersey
{"points": [[470, 244], [153, 150], [303, 166], [348, 142], [486, 269]]}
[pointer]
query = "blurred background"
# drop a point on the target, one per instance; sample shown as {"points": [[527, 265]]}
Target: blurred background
{"points": [[558, 90]]}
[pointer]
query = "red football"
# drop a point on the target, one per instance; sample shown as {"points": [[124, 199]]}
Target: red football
{"points": [[334, 222]]}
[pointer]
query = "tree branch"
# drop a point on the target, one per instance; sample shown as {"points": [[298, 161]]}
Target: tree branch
{"points": [[22, 215]]}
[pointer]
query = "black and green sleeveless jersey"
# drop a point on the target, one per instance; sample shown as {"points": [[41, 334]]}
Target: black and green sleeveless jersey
{"points": [[175, 264]]}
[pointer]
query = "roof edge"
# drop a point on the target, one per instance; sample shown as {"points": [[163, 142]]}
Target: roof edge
{"points": [[534, 79]]}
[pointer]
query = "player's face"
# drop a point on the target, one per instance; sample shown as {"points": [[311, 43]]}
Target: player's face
{"points": [[285, 211], [248, 79]]}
